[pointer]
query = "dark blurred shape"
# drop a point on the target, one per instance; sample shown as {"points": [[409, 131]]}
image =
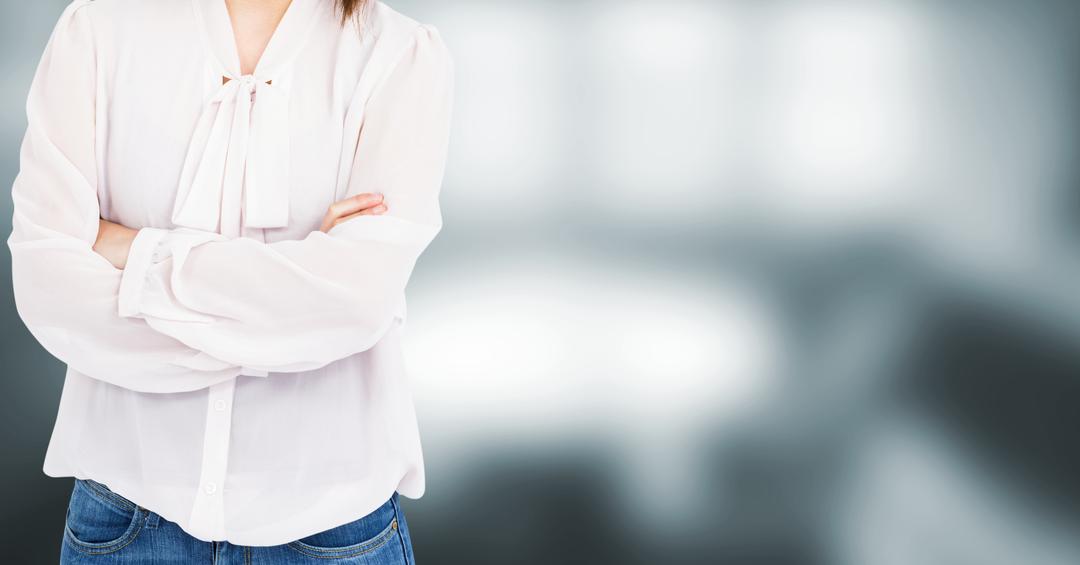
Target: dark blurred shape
{"points": [[1008, 383]]}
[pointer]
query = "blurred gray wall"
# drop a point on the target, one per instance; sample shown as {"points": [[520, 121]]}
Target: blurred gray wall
{"points": [[766, 282]]}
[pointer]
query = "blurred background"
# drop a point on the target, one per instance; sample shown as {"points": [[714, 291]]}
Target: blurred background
{"points": [[755, 282]]}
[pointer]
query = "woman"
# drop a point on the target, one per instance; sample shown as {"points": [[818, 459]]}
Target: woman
{"points": [[218, 207]]}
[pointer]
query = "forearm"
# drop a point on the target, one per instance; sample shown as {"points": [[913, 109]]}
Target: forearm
{"points": [[284, 306]]}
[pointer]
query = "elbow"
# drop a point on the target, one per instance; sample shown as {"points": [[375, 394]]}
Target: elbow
{"points": [[372, 319], [23, 307]]}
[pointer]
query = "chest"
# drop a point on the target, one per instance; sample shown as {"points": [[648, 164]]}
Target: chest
{"points": [[148, 115]]}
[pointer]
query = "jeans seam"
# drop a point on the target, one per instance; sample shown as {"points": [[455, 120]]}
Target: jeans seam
{"points": [[101, 492], [400, 531], [98, 549], [343, 552]]}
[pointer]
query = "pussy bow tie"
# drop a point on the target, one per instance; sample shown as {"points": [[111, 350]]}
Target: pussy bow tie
{"points": [[238, 160]]}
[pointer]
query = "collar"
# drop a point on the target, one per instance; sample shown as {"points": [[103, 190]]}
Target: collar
{"points": [[236, 169]]}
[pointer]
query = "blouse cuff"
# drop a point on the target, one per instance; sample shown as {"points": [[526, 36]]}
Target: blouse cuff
{"points": [[147, 248]]}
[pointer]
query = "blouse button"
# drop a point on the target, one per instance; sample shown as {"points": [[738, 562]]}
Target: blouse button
{"points": [[219, 405], [210, 488]]}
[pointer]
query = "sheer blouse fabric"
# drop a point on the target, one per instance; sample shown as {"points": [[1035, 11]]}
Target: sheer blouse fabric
{"points": [[243, 375]]}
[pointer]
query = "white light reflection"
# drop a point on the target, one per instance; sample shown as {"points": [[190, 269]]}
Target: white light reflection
{"points": [[841, 109], [647, 362], [662, 117]]}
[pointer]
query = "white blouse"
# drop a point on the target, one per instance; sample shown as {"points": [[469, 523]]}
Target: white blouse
{"points": [[243, 375]]}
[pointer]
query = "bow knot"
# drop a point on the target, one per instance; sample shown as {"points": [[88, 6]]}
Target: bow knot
{"points": [[235, 173]]}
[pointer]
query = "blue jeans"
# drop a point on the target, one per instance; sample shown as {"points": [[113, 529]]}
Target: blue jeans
{"points": [[103, 527]]}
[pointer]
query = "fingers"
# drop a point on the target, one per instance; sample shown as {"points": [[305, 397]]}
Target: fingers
{"points": [[381, 208], [368, 203], [355, 203], [374, 210]]}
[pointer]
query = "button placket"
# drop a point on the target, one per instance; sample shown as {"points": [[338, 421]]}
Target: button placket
{"points": [[208, 512], [159, 251]]}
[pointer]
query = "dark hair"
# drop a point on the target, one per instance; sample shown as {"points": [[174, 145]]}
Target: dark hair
{"points": [[350, 8]]}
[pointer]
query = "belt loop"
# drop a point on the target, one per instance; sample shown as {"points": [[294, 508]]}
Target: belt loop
{"points": [[152, 518]]}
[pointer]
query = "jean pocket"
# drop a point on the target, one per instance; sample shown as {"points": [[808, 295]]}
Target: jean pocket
{"points": [[361, 536], [99, 520]]}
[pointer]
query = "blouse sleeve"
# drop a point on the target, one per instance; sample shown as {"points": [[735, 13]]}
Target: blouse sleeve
{"points": [[297, 305], [65, 292]]}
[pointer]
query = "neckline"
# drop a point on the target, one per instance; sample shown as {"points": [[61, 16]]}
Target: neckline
{"points": [[266, 47], [284, 43]]}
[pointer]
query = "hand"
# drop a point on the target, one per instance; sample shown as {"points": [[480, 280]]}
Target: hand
{"points": [[366, 203], [114, 242]]}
